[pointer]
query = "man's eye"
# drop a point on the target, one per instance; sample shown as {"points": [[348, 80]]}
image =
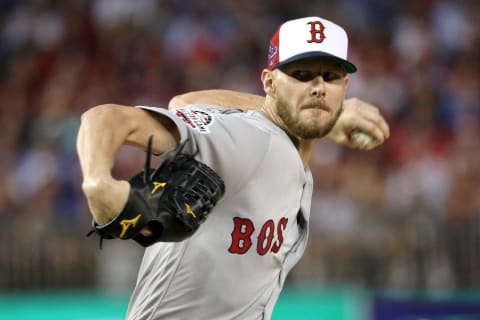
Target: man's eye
{"points": [[330, 76], [304, 76], [301, 75]]}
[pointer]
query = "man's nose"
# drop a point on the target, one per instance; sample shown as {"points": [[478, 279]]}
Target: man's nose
{"points": [[318, 87]]}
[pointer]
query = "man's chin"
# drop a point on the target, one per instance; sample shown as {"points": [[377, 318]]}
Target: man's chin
{"points": [[312, 132], [315, 129]]}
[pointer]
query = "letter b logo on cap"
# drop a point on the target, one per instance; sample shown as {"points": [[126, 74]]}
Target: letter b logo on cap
{"points": [[317, 32]]}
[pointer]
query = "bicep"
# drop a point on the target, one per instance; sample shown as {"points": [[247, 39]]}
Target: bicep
{"points": [[147, 123], [118, 124]]}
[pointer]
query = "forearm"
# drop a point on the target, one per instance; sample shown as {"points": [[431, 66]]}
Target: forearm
{"points": [[97, 144], [220, 97], [103, 130]]}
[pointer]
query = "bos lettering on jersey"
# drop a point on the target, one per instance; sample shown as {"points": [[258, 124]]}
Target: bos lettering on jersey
{"points": [[269, 239]]}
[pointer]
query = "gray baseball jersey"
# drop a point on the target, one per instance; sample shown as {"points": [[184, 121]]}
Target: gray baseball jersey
{"points": [[235, 265]]}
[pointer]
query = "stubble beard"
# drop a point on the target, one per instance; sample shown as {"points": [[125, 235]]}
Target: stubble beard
{"points": [[302, 129]]}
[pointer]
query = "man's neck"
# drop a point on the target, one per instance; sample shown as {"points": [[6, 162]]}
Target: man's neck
{"points": [[304, 146]]}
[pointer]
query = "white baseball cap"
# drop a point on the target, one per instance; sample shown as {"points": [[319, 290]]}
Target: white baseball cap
{"points": [[308, 38]]}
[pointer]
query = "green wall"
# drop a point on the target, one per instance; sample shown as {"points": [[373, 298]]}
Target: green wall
{"points": [[293, 304]]}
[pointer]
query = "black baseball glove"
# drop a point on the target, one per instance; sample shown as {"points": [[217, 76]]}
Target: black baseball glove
{"points": [[171, 201]]}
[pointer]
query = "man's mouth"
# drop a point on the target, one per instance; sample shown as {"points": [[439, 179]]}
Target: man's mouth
{"points": [[314, 106]]}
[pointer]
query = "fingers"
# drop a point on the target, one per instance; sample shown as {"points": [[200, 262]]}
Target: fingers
{"points": [[361, 140], [365, 139], [377, 130], [380, 125], [372, 114], [146, 232], [366, 118]]}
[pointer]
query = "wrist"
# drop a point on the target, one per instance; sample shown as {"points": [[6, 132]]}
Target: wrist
{"points": [[106, 197], [336, 135]]}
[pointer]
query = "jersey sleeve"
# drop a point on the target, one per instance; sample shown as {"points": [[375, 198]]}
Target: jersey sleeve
{"points": [[223, 139]]}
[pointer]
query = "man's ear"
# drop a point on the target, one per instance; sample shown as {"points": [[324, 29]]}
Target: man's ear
{"points": [[346, 80], [268, 83]]}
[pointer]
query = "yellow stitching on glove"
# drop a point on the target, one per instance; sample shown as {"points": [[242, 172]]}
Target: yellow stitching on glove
{"points": [[157, 185], [126, 224], [190, 211]]}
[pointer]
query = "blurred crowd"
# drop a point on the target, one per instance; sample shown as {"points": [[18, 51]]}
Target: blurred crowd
{"points": [[404, 216]]}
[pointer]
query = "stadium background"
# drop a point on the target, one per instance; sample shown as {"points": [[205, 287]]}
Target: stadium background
{"points": [[395, 232]]}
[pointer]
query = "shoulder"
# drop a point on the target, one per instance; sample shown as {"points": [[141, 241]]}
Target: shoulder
{"points": [[203, 118]]}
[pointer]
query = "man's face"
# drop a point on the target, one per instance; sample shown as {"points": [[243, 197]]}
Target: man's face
{"points": [[309, 96]]}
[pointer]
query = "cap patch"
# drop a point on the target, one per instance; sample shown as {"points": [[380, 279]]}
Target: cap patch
{"points": [[272, 53]]}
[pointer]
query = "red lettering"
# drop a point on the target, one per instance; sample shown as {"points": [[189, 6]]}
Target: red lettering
{"points": [[242, 230], [270, 238], [282, 225], [316, 31], [265, 237]]}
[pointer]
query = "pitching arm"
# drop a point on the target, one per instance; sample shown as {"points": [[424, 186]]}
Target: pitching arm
{"points": [[103, 130]]}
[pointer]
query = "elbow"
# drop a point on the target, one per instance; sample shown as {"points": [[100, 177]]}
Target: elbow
{"points": [[98, 112], [105, 116]]}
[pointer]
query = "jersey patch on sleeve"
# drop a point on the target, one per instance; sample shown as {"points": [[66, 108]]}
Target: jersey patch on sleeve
{"points": [[198, 120]]}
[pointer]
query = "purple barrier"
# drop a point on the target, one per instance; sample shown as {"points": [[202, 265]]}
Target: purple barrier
{"points": [[390, 308]]}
